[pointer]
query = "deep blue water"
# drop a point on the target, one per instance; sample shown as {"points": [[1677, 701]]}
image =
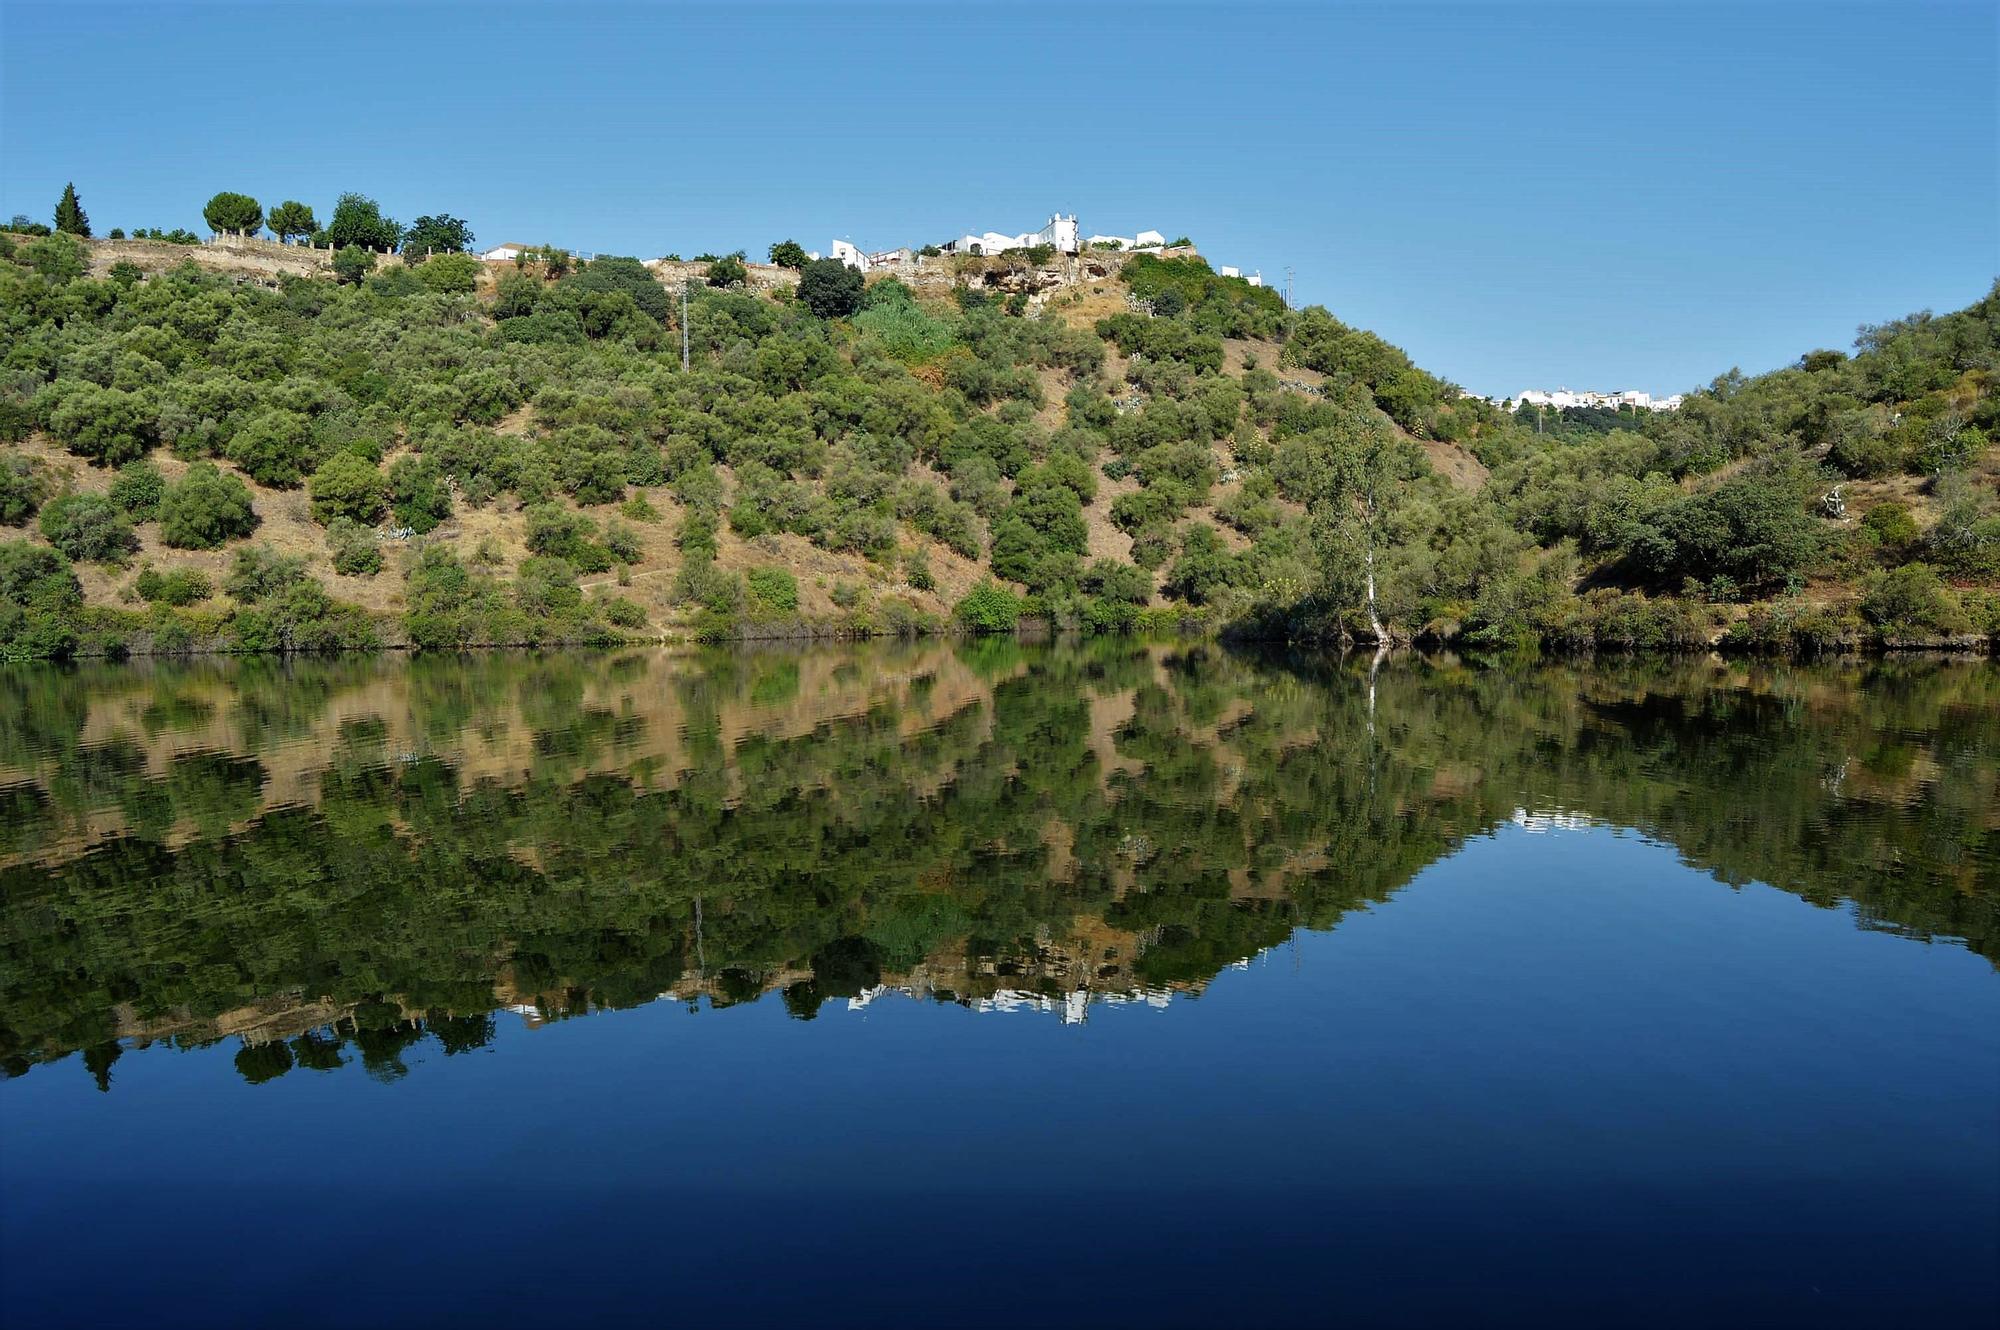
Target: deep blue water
{"points": [[1556, 1074]]}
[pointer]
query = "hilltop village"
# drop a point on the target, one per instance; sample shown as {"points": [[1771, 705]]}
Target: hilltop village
{"points": [[385, 436]]}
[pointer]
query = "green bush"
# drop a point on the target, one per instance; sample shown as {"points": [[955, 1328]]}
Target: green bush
{"points": [[726, 272], [272, 447], [107, 425], [348, 486], [21, 490], [300, 616], [988, 608], [830, 289], [1892, 525], [355, 550], [205, 508], [138, 488], [418, 493], [773, 590], [1912, 601], [352, 264], [40, 600], [622, 613], [258, 571], [456, 274], [89, 528], [182, 586]]}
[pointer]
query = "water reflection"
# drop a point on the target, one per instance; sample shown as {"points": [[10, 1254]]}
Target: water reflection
{"points": [[331, 861]]}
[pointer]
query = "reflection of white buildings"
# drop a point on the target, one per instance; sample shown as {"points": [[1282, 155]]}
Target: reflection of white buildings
{"points": [[1536, 824], [1563, 399], [1073, 1007]]}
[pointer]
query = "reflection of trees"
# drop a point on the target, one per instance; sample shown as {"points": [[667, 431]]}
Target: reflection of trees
{"points": [[1017, 842]]}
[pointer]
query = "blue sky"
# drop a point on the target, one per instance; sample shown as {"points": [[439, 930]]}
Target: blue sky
{"points": [[1606, 196]]}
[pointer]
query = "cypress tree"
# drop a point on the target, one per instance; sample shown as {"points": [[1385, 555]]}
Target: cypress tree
{"points": [[70, 216]]}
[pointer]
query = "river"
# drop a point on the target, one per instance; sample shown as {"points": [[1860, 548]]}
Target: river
{"points": [[983, 982]]}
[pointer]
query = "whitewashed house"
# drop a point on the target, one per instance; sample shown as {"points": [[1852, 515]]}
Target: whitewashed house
{"points": [[505, 253], [1145, 241], [1059, 231]]}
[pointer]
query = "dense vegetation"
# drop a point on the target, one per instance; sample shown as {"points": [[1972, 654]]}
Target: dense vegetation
{"points": [[1203, 455], [592, 829]]}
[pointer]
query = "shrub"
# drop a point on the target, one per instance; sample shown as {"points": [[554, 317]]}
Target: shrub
{"points": [[831, 289], [555, 531], [773, 590], [623, 543], [450, 273], [137, 489], [89, 528], [204, 508], [1204, 567], [106, 425], [348, 486], [1891, 525], [515, 295], [39, 601], [352, 264], [300, 616], [355, 551], [613, 274], [621, 612], [700, 582], [418, 493], [988, 608], [21, 490], [258, 571], [272, 448], [182, 586], [1912, 601], [727, 271]]}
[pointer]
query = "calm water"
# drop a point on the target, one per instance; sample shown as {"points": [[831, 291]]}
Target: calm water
{"points": [[998, 984]]}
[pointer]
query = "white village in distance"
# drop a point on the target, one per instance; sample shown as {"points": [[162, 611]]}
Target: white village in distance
{"points": [[1062, 234]]}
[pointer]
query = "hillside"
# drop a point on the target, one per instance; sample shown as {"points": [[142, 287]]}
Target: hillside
{"points": [[235, 448]]}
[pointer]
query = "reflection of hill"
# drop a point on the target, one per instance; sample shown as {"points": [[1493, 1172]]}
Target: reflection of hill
{"points": [[368, 847]]}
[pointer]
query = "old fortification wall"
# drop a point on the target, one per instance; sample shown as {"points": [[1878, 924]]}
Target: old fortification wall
{"points": [[937, 274], [264, 260], [268, 260]]}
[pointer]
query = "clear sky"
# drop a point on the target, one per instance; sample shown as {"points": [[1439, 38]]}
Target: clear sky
{"points": [[1592, 195]]}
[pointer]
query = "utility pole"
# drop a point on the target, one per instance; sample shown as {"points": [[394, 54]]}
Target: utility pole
{"points": [[1288, 287], [684, 325]]}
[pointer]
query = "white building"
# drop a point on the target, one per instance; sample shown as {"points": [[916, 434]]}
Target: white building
{"points": [[505, 253], [1563, 399], [1144, 240], [861, 261], [1058, 232]]}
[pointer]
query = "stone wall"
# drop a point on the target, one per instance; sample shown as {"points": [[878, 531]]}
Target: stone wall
{"points": [[260, 260]]}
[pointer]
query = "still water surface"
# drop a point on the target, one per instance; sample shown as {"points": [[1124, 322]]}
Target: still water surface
{"points": [[992, 983]]}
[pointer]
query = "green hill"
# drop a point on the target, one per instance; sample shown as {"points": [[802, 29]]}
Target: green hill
{"points": [[455, 453]]}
